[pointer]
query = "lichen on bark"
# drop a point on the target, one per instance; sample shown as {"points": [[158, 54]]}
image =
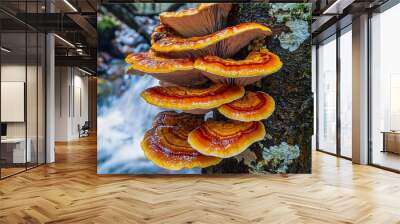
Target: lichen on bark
{"points": [[292, 121]]}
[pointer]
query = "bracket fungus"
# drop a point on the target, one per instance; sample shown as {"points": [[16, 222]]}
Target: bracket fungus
{"points": [[176, 71], [191, 54], [225, 139], [257, 65], [205, 19], [188, 98], [253, 106], [224, 43], [182, 120], [168, 148]]}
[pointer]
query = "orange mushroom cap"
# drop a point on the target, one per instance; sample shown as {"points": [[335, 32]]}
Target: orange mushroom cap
{"points": [[225, 138], [188, 98], [182, 120], [224, 43], [167, 147], [253, 106], [176, 71], [205, 19], [241, 72]]}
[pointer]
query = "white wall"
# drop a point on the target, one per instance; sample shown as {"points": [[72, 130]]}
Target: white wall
{"points": [[16, 73], [80, 102], [13, 101], [71, 102], [62, 82], [9, 73], [33, 127]]}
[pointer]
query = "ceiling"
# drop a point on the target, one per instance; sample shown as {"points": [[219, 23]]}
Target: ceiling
{"points": [[326, 13], [75, 21], [79, 16], [332, 15], [18, 54]]}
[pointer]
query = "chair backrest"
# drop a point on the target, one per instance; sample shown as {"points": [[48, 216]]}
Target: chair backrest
{"points": [[86, 124]]}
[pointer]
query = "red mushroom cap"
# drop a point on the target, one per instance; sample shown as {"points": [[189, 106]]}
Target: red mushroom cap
{"points": [[176, 71], [257, 65], [225, 138], [253, 106], [188, 98]]}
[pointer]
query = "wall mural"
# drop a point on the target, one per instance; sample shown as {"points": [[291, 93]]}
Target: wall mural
{"points": [[186, 88]]}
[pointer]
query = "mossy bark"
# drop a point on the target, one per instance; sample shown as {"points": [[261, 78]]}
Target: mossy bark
{"points": [[292, 121]]}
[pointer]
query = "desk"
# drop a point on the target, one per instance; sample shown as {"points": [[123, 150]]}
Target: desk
{"points": [[17, 150], [391, 141]]}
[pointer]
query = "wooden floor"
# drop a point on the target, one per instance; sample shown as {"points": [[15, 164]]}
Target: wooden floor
{"points": [[10, 171], [69, 191], [387, 159]]}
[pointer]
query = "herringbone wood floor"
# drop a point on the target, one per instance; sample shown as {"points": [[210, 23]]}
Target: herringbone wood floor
{"points": [[69, 191]]}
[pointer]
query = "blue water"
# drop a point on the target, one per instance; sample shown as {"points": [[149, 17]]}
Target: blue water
{"points": [[120, 130], [123, 122]]}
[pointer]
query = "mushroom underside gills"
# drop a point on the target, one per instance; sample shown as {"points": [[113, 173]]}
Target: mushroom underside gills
{"points": [[241, 81], [182, 120], [206, 19], [183, 78], [224, 43], [230, 46]]}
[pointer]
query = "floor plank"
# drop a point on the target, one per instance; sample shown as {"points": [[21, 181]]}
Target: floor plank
{"points": [[70, 191]]}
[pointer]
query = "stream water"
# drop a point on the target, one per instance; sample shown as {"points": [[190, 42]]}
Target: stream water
{"points": [[120, 130]]}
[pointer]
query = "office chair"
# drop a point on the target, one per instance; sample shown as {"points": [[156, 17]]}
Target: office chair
{"points": [[84, 130]]}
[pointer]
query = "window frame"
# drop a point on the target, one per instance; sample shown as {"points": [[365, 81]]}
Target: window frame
{"points": [[338, 34]]}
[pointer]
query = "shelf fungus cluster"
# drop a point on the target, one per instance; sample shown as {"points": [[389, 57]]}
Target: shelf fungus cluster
{"points": [[192, 100], [166, 143], [191, 54]]}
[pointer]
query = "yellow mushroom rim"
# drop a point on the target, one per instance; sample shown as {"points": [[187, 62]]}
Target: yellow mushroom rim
{"points": [[188, 98], [259, 63], [149, 62], [253, 106], [169, 42], [225, 139], [167, 147], [178, 71]]}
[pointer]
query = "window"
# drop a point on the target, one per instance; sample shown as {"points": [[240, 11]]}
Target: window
{"points": [[22, 78], [346, 75], [314, 90], [327, 95], [385, 89]]}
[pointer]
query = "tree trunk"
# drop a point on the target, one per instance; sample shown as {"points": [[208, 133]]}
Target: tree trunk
{"points": [[292, 121]]}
